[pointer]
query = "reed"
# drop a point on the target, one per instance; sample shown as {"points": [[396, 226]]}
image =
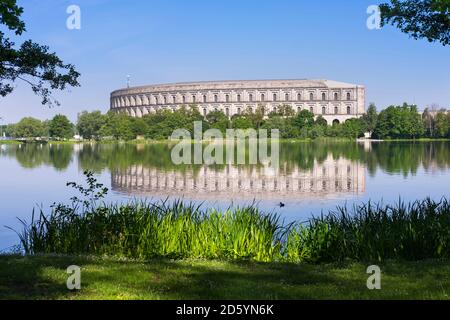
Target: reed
{"points": [[144, 230]]}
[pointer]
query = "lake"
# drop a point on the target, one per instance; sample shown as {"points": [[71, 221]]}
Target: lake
{"points": [[313, 176]]}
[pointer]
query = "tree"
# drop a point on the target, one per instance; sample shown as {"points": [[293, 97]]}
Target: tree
{"points": [[60, 127], [139, 127], [304, 119], [241, 122], [353, 128], [29, 128], [419, 18], [122, 126], [218, 120], [370, 118], [283, 110], [287, 130], [320, 121], [89, 124], [399, 122], [443, 124], [31, 62], [256, 117]]}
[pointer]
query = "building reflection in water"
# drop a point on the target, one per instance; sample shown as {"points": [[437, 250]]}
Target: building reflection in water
{"points": [[327, 179]]}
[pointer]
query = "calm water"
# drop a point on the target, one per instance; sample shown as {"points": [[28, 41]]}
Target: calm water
{"points": [[312, 177]]}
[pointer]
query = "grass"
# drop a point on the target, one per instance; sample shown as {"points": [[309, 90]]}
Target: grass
{"points": [[143, 230], [9, 142], [44, 277]]}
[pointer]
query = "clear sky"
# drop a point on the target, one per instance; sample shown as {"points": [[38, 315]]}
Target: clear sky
{"points": [[159, 41]]}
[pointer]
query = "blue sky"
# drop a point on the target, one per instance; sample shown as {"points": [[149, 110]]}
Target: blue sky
{"points": [[158, 41]]}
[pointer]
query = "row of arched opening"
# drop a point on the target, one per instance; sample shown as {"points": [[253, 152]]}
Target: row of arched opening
{"points": [[140, 100]]}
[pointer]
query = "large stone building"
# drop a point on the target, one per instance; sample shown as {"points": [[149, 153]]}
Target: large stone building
{"points": [[335, 101]]}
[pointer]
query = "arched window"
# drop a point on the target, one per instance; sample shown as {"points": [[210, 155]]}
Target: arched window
{"points": [[239, 110], [156, 100], [263, 97], [349, 110], [204, 112], [227, 98], [239, 98], [324, 110], [336, 96], [299, 109], [165, 99], [324, 96], [184, 99], [194, 100], [227, 112], [336, 110], [204, 98], [311, 96], [274, 97], [299, 96], [311, 109], [174, 99], [348, 96], [250, 97], [216, 98]]}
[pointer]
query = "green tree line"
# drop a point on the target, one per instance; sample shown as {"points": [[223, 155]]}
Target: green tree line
{"points": [[394, 122]]}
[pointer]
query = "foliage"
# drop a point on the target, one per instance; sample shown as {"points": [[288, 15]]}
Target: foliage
{"points": [[370, 118], [29, 128], [90, 123], [442, 123], [218, 120], [60, 127], [428, 19], [31, 62], [353, 128], [395, 122], [241, 122], [399, 122], [369, 232], [162, 123], [118, 126]]}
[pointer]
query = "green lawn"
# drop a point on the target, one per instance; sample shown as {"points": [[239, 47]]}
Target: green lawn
{"points": [[44, 277]]}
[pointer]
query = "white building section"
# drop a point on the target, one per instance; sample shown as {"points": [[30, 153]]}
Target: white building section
{"points": [[335, 101]]}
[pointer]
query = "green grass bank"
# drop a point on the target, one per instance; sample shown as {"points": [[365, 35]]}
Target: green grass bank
{"points": [[44, 277]]}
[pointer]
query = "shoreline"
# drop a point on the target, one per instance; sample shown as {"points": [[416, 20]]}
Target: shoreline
{"points": [[150, 141]]}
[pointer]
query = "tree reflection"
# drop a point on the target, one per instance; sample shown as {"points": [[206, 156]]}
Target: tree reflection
{"points": [[391, 157]]}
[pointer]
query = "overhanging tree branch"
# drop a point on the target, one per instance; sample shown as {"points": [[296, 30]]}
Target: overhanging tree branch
{"points": [[30, 59]]}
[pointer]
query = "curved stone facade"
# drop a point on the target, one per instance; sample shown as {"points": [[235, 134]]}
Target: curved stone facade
{"points": [[335, 101]]}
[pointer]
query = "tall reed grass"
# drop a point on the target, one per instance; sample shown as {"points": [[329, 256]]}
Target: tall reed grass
{"points": [[369, 232]]}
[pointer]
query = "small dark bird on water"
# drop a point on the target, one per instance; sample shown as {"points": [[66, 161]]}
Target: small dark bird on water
{"points": [[282, 204]]}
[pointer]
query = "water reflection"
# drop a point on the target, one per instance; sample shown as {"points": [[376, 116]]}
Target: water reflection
{"points": [[331, 177], [310, 170]]}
